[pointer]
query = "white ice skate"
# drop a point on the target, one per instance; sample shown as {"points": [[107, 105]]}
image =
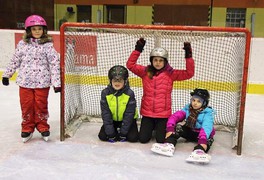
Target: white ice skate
{"points": [[25, 139], [166, 149], [45, 138], [45, 135], [199, 156]]}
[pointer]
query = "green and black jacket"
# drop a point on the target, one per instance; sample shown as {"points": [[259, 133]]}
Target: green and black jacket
{"points": [[118, 106]]}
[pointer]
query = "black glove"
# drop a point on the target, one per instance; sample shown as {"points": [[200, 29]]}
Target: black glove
{"points": [[57, 89], [188, 49], [121, 138], [5, 81], [140, 44], [112, 139]]}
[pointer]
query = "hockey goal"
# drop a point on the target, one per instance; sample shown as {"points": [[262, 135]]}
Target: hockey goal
{"points": [[88, 51]]}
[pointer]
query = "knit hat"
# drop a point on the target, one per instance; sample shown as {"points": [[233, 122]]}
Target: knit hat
{"points": [[200, 98], [203, 94]]}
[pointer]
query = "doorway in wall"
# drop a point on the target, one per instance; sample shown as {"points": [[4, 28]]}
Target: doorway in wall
{"points": [[84, 14], [116, 14], [191, 15]]}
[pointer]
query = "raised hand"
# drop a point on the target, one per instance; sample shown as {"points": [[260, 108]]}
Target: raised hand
{"points": [[140, 44], [188, 49]]}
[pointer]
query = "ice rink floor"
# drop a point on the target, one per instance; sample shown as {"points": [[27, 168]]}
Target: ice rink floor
{"points": [[85, 157]]}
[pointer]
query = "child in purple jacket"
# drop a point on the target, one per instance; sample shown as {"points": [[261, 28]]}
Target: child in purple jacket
{"points": [[195, 122]]}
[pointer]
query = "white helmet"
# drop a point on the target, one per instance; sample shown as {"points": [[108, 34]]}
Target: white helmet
{"points": [[160, 52]]}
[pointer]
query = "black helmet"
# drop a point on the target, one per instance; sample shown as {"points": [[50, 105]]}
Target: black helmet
{"points": [[118, 72], [202, 93]]}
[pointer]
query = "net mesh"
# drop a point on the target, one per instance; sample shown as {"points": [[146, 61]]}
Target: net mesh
{"points": [[91, 51]]}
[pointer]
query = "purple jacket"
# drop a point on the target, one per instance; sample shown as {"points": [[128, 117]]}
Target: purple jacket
{"points": [[38, 64]]}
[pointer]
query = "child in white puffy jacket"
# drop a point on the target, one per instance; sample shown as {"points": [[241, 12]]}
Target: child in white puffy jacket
{"points": [[39, 68]]}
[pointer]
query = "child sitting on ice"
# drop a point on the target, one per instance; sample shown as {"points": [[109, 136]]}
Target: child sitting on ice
{"points": [[198, 127]]}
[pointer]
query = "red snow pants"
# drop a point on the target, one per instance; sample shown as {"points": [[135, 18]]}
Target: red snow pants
{"points": [[34, 107]]}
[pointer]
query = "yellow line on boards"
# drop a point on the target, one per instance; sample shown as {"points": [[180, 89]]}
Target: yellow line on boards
{"points": [[136, 82], [184, 85]]}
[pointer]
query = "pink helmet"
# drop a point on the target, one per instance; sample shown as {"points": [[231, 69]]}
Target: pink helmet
{"points": [[35, 20]]}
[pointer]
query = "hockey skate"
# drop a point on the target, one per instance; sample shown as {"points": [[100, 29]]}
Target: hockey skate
{"points": [[166, 149], [26, 136], [199, 156], [45, 135]]}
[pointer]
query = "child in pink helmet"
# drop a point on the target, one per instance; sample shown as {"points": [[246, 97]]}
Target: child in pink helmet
{"points": [[39, 68], [157, 79]]}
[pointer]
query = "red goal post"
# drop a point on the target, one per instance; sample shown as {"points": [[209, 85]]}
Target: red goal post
{"points": [[221, 65]]}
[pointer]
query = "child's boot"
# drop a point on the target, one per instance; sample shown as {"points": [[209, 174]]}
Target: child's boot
{"points": [[45, 135], [166, 149], [26, 136]]}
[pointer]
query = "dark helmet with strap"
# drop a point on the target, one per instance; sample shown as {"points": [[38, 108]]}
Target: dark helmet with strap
{"points": [[202, 93], [118, 72]]}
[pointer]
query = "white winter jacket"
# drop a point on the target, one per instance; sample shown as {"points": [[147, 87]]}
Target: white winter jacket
{"points": [[38, 64]]}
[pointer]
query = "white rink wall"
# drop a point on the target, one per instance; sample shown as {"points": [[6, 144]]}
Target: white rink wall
{"points": [[8, 45], [7, 48]]}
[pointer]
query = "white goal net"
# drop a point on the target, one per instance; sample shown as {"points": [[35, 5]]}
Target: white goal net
{"points": [[88, 51]]}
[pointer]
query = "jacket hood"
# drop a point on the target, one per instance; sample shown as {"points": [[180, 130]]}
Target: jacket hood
{"points": [[46, 38]]}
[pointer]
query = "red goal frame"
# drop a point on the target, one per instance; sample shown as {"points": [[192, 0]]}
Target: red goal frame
{"points": [[157, 27]]}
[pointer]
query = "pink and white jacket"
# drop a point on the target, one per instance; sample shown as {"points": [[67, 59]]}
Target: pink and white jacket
{"points": [[156, 100], [38, 64]]}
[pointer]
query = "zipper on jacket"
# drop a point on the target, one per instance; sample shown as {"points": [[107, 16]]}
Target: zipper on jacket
{"points": [[154, 97], [166, 103], [117, 118]]}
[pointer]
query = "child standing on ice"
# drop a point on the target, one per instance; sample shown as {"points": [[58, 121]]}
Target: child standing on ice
{"points": [[118, 106], [198, 126], [157, 79], [39, 68]]}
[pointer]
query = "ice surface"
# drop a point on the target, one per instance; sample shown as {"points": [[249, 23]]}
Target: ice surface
{"points": [[85, 157]]}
